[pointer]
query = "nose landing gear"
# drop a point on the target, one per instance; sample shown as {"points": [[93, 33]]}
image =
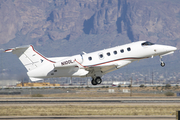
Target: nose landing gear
{"points": [[96, 81], [162, 63]]}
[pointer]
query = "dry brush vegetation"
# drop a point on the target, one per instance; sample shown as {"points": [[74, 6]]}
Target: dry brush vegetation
{"points": [[90, 109], [63, 110]]}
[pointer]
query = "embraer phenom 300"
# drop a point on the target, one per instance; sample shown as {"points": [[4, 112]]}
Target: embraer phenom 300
{"points": [[94, 64]]}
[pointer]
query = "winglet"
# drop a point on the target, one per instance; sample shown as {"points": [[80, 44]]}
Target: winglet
{"points": [[35, 79]]}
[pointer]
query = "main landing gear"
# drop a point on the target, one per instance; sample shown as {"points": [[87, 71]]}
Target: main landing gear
{"points": [[162, 63], [96, 81]]}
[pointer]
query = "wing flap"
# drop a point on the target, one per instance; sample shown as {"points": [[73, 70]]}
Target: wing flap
{"points": [[106, 68]]}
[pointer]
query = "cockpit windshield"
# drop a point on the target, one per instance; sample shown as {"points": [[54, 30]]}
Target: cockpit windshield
{"points": [[147, 43]]}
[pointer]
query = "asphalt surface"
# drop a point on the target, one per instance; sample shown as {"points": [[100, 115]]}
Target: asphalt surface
{"points": [[88, 118], [34, 101], [60, 101], [50, 101]]}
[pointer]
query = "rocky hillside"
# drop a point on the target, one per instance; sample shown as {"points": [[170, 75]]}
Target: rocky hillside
{"points": [[69, 27], [42, 20]]}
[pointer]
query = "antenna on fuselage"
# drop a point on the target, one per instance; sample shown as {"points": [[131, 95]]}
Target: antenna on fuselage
{"points": [[84, 52]]}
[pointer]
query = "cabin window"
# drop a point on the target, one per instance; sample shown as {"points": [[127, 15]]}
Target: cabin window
{"points": [[108, 54], [90, 58], [101, 55], [122, 50], [128, 49], [115, 52]]}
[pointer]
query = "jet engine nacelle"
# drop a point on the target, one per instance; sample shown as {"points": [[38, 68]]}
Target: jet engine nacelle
{"points": [[69, 62]]}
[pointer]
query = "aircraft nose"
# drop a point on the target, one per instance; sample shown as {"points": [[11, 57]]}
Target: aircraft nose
{"points": [[171, 48]]}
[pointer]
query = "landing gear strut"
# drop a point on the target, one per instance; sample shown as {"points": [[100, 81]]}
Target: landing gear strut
{"points": [[162, 63], [96, 81]]}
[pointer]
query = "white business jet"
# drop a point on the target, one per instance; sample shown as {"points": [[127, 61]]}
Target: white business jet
{"points": [[94, 64]]}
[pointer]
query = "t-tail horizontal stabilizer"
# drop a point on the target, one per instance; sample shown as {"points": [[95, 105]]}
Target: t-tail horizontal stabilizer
{"points": [[29, 57]]}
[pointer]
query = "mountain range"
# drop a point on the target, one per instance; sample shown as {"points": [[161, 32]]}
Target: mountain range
{"points": [[68, 27]]}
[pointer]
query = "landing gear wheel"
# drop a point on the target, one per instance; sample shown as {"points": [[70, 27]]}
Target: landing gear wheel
{"points": [[93, 82], [162, 64], [98, 80]]}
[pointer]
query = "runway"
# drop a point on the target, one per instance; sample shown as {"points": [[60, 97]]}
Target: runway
{"points": [[61, 101], [89, 117], [24, 103]]}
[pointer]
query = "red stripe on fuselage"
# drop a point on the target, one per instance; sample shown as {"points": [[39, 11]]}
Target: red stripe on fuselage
{"points": [[79, 63], [41, 55], [118, 60]]}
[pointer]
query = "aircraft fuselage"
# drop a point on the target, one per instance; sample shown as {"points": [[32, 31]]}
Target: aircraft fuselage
{"points": [[94, 64]]}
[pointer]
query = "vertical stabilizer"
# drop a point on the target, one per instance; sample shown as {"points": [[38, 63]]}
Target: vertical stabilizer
{"points": [[29, 57]]}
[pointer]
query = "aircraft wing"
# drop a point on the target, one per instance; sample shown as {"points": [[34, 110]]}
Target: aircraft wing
{"points": [[100, 69], [106, 68]]}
